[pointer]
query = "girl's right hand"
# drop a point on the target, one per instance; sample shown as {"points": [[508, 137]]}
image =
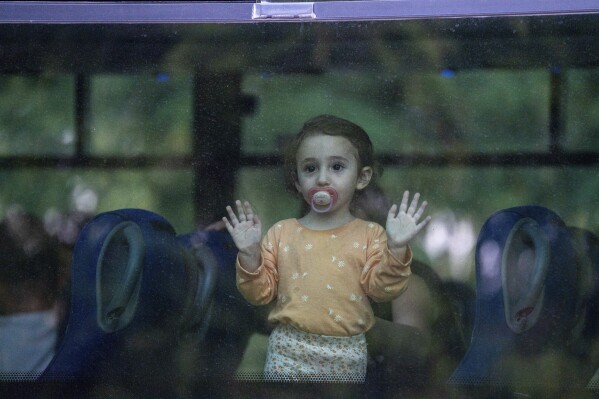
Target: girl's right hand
{"points": [[246, 230]]}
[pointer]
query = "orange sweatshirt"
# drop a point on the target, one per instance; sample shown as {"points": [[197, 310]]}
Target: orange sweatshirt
{"points": [[321, 278]]}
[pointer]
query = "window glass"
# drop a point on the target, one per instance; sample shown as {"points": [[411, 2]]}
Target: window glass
{"points": [[40, 118], [581, 124], [492, 120], [467, 197], [140, 114], [92, 192], [418, 112]]}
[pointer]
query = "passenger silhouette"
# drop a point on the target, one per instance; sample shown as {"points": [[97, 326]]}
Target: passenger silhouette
{"points": [[29, 287]]}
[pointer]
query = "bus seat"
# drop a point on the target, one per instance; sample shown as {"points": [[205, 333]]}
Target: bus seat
{"points": [[233, 320], [526, 286], [134, 284]]}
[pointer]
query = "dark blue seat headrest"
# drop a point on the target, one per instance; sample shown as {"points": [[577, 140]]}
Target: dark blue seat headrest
{"points": [[526, 283], [130, 276]]}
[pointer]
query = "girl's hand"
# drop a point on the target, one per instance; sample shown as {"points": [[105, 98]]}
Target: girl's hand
{"points": [[246, 231], [403, 226]]}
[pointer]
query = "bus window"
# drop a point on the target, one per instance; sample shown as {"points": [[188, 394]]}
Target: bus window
{"points": [[153, 116]]}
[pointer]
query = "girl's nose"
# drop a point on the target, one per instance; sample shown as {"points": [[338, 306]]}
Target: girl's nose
{"points": [[323, 178]]}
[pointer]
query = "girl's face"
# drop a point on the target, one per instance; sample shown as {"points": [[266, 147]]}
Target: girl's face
{"points": [[332, 163]]}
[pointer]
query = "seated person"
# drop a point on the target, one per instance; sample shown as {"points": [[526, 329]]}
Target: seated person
{"points": [[425, 331], [29, 315]]}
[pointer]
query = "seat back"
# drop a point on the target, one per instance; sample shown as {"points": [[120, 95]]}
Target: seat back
{"points": [[526, 285], [133, 283]]}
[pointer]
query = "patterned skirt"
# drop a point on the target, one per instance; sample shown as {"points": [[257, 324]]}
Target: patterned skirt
{"points": [[297, 356]]}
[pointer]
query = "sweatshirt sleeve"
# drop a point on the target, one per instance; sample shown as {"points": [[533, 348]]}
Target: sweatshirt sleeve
{"points": [[260, 287], [384, 277]]}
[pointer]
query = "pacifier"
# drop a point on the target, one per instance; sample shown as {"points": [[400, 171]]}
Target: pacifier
{"points": [[322, 199]]}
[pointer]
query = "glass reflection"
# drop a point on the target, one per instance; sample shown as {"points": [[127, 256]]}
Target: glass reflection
{"points": [[479, 115]]}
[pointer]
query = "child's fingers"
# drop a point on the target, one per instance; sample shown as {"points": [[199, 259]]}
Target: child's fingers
{"points": [[413, 204], [228, 225], [240, 211], [249, 212], [422, 224], [232, 216], [392, 212], [404, 201], [418, 214]]}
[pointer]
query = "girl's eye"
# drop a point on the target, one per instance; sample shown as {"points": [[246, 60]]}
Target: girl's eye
{"points": [[338, 167], [309, 168]]}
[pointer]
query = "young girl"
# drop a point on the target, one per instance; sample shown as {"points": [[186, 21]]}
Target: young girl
{"points": [[321, 269]]}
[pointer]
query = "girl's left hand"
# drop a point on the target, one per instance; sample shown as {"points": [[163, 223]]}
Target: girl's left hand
{"points": [[403, 226]]}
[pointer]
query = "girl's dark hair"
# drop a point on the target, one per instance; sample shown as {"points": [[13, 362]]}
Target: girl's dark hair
{"points": [[331, 126]]}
